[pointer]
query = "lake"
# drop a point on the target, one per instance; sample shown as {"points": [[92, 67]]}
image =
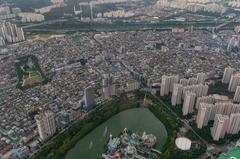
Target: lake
{"points": [[137, 120]]}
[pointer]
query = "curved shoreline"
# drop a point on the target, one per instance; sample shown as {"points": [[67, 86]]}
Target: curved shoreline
{"points": [[131, 119]]}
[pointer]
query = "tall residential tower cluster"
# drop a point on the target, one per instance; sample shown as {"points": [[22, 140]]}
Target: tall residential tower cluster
{"points": [[225, 113], [10, 33], [186, 89], [193, 92]]}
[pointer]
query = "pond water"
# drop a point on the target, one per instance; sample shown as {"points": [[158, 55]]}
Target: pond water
{"points": [[137, 120]]}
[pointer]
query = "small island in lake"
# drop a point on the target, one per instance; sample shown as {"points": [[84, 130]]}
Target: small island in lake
{"points": [[129, 145]]}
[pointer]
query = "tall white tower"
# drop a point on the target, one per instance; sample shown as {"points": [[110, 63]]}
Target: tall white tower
{"points": [[108, 84], [89, 98], [228, 72], [46, 124], [188, 104]]}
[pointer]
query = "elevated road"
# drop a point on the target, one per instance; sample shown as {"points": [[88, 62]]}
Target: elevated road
{"points": [[74, 25]]}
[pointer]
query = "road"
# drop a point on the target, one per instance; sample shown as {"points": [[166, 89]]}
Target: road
{"points": [[182, 120], [66, 25], [44, 23]]}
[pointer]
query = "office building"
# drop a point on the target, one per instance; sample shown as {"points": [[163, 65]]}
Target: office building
{"points": [[203, 115], [108, 85], [234, 82], [220, 126], [46, 124], [201, 77], [237, 95], [188, 104], [89, 98], [177, 94], [228, 72], [234, 124], [204, 99]]}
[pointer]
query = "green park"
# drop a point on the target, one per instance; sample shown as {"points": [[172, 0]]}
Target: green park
{"points": [[29, 72]]}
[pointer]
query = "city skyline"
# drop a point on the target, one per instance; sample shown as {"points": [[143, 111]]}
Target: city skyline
{"points": [[119, 79]]}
